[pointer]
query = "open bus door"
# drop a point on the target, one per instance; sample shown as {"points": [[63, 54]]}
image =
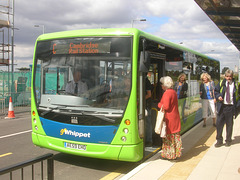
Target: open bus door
{"points": [[143, 68], [155, 64], [155, 70]]}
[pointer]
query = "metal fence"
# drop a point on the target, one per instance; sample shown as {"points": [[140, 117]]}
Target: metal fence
{"points": [[19, 89], [12, 173]]}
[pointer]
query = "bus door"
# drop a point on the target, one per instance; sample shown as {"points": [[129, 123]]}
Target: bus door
{"points": [[151, 67], [143, 69]]}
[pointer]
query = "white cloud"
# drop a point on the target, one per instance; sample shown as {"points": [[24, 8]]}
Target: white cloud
{"points": [[174, 20], [24, 51]]}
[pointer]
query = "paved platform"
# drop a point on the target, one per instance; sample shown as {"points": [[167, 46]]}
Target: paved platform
{"points": [[200, 159]]}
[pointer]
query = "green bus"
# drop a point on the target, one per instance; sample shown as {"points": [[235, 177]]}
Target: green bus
{"points": [[105, 117]]}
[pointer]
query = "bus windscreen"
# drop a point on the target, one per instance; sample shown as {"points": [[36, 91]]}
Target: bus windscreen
{"points": [[89, 77]]}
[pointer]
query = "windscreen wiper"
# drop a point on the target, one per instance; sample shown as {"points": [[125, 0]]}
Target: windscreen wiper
{"points": [[100, 117], [48, 111], [64, 105]]}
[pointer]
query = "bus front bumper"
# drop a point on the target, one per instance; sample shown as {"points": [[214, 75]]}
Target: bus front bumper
{"points": [[132, 153]]}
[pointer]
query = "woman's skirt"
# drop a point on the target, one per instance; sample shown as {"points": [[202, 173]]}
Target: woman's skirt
{"points": [[172, 146]]}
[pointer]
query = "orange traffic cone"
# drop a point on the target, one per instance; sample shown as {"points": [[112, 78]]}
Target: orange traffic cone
{"points": [[10, 110]]}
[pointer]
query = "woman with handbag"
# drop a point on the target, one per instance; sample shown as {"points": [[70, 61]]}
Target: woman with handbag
{"points": [[172, 143], [208, 99]]}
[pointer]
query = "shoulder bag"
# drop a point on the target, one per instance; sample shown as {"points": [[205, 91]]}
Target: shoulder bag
{"points": [[163, 130], [159, 121]]}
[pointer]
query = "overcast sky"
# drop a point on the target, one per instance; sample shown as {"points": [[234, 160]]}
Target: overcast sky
{"points": [[174, 20]]}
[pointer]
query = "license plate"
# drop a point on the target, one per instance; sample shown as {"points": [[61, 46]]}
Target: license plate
{"points": [[74, 146]]}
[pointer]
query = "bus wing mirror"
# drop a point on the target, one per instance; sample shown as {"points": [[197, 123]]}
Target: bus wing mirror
{"points": [[144, 61]]}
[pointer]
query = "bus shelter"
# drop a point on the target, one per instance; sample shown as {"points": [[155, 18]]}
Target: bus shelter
{"points": [[226, 15]]}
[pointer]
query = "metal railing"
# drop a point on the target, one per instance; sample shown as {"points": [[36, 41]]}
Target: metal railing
{"points": [[19, 89], [20, 166], [21, 102]]}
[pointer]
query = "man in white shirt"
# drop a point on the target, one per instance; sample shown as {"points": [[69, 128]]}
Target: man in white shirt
{"points": [[225, 94], [76, 86]]}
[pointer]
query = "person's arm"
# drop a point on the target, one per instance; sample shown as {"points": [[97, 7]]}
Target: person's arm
{"points": [[217, 93], [148, 95], [238, 89], [148, 89], [165, 102], [184, 90], [176, 86], [201, 89], [185, 86], [213, 87]]}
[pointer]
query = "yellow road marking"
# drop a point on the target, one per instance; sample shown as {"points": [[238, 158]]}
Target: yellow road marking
{"points": [[183, 168], [5, 154], [117, 172]]}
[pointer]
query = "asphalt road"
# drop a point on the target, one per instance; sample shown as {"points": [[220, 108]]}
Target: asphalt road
{"points": [[16, 146]]}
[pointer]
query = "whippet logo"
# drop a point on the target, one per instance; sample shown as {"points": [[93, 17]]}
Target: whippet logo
{"points": [[74, 133]]}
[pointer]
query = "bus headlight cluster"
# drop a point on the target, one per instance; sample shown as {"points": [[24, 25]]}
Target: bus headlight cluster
{"points": [[34, 120], [126, 130], [123, 138]]}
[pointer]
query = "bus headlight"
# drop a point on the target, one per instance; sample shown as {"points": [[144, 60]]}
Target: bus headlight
{"points": [[123, 138], [34, 120], [125, 130], [127, 122], [36, 128]]}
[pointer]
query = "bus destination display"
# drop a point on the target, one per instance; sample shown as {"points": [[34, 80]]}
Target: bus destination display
{"points": [[81, 48]]}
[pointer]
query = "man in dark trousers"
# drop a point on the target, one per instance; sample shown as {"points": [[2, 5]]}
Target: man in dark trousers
{"points": [[225, 94]]}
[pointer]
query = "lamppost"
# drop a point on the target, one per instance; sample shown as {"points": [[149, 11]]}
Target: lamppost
{"points": [[43, 27], [3, 45], [12, 37], [137, 20]]}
